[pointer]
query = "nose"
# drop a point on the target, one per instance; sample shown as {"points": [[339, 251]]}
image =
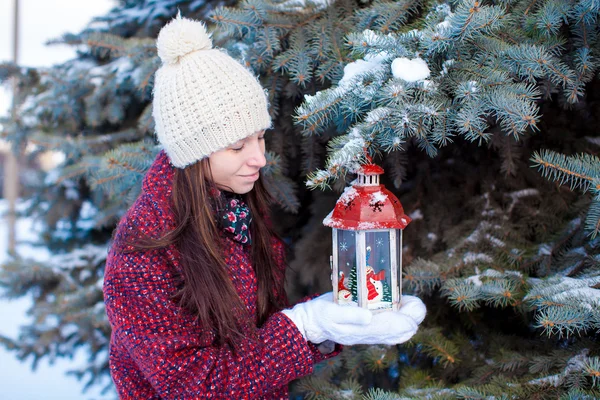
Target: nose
{"points": [[257, 157]]}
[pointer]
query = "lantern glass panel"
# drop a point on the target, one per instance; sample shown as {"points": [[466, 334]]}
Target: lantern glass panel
{"points": [[346, 246], [378, 278]]}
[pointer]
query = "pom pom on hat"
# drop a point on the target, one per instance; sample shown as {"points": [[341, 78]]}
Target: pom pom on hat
{"points": [[181, 37]]}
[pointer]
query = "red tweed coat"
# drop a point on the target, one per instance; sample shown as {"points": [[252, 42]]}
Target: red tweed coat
{"points": [[157, 350]]}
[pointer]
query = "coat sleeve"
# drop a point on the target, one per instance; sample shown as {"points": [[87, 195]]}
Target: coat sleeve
{"points": [[176, 355]]}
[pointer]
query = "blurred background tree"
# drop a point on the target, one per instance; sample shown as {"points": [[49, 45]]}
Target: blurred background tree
{"points": [[484, 115]]}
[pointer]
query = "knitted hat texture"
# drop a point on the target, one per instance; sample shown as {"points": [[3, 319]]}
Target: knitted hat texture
{"points": [[204, 100]]}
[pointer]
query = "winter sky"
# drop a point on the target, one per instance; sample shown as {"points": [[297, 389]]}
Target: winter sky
{"points": [[40, 20]]}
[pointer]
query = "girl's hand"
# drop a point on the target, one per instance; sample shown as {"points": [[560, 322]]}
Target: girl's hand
{"points": [[321, 319]]}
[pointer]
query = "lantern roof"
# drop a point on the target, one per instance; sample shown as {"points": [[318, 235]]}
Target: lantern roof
{"points": [[367, 204], [370, 169]]}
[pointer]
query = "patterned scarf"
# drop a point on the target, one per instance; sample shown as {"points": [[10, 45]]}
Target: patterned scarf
{"points": [[234, 217]]}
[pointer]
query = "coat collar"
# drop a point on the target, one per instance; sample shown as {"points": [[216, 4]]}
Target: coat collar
{"points": [[158, 181]]}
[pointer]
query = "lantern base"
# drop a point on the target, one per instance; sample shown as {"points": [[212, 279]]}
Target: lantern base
{"points": [[378, 307]]}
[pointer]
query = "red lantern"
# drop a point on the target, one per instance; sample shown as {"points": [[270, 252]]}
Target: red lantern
{"points": [[367, 224]]}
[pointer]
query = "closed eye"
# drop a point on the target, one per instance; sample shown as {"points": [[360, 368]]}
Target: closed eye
{"points": [[240, 147]]}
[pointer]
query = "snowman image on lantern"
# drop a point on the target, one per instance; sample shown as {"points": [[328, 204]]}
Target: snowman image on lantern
{"points": [[367, 224], [378, 290]]}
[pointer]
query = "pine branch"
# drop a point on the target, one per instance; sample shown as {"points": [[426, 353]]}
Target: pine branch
{"points": [[578, 171]]}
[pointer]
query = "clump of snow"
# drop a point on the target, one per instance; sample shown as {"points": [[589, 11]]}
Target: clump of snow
{"points": [[320, 176], [444, 24], [346, 394], [370, 36], [495, 241], [441, 10], [348, 195], [514, 273], [545, 250], [377, 197], [351, 152], [30, 110], [69, 329], [447, 64], [327, 220], [80, 258], [410, 70], [432, 236], [415, 215], [52, 176], [87, 216], [475, 280], [586, 297], [569, 290], [429, 85], [308, 98], [358, 67], [71, 192], [488, 213], [121, 67], [377, 115], [367, 225], [472, 87], [302, 5], [575, 364], [473, 257], [97, 25], [444, 8], [490, 273], [78, 67], [524, 193]]}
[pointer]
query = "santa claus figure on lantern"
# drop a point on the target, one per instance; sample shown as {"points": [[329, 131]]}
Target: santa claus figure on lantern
{"points": [[367, 224]]}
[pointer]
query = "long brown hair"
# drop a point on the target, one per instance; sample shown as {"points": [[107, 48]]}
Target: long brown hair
{"points": [[207, 290]]}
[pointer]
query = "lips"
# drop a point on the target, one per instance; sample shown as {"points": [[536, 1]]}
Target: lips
{"points": [[251, 177]]}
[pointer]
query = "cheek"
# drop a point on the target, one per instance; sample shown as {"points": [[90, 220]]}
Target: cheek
{"points": [[225, 173]]}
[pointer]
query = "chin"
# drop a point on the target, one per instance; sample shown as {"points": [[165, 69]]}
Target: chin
{"points": [[243, 189]]}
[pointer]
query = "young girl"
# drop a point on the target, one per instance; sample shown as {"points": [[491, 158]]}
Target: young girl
{"points": [[194, 283]]}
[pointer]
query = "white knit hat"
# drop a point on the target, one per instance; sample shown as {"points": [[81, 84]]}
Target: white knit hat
{"points": [[204, 100]]}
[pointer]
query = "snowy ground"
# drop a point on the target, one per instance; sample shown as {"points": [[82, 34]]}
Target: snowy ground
{"points": [[17, 380]]}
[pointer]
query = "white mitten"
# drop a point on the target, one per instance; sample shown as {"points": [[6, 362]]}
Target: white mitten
{"points": [[394, 327], [388, 327], [413, 307], [320, 319]]}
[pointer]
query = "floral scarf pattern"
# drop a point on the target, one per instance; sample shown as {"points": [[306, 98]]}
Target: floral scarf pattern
{"points": [[234, 217]]}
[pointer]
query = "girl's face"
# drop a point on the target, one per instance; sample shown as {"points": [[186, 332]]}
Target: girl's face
{"points": [[236, 167]]}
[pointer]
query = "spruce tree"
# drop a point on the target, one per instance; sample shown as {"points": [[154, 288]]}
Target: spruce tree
{"points": [[449, 97]]}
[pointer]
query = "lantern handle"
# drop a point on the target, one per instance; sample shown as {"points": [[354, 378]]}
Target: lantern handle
{"points": [[368, 156]]}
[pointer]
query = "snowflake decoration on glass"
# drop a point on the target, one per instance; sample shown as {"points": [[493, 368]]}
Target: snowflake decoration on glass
{"points": [[344, 246], [382, 261], [379, 242]]}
